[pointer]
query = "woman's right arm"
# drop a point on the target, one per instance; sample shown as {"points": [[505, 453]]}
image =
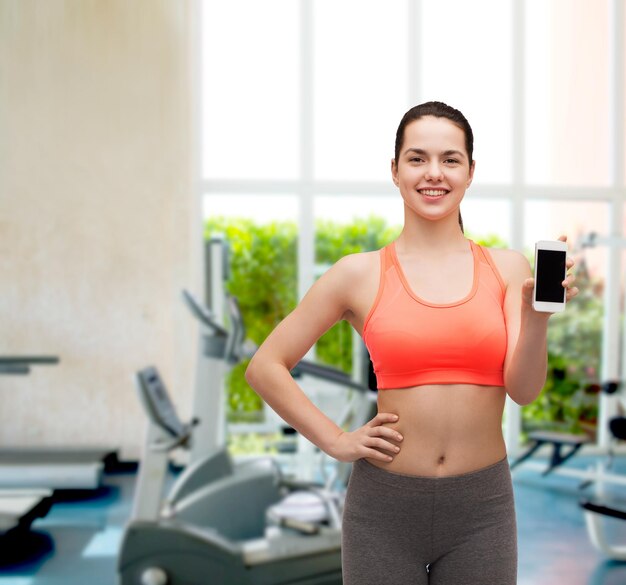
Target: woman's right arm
{"points": [[268, 373]]}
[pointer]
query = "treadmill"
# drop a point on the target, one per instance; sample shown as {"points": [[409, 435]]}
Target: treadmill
{"points": [[55, 468]]}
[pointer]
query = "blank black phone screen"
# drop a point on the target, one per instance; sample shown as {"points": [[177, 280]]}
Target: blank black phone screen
{"points": [[550, 275]]}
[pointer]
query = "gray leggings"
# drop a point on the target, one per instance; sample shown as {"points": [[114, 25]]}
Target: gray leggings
{"points": [[451, 530]]}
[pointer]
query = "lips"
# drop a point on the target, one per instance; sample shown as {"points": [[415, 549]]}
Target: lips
{"points": [[434, 193]]}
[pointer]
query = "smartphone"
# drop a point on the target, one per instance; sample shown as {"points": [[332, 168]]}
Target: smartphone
{"points": [[550, 272]]}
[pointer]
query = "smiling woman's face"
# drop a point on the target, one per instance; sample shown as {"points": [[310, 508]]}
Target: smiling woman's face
{"points": [[433, 170]]}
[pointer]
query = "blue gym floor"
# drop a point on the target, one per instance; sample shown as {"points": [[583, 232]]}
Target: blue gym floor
{"points": [[79, 538]]}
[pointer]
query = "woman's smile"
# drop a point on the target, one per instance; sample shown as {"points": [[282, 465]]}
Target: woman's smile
{"points": [[433, 193]]}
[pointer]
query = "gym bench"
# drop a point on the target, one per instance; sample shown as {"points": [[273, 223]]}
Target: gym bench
{"points": [[557, 440]]}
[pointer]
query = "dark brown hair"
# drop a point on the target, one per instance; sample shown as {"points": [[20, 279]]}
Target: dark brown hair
{"points": [[438, 110]]}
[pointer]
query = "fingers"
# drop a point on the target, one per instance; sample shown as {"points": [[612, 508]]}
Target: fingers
{"points": [[382, 444], [387, 432], [569, 281], [380, 437], [382, 418], [527, 290], [572, 291], [378, 455], [569, 263]]}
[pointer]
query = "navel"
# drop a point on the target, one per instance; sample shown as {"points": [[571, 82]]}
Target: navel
{"points": [[441, 460]]}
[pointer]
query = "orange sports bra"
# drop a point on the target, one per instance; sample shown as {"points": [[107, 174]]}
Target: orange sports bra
{"points": [[414, 342]]}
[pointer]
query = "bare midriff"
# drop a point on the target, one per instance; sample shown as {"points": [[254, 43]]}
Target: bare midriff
{"points": [[447, 429]]}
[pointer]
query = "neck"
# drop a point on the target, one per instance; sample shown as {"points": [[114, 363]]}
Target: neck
{"points": [[441, 236]]}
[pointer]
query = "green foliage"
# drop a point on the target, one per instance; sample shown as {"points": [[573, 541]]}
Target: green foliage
{"points": [[263, 264]]}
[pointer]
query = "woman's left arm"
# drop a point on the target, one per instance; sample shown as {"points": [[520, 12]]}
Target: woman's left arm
{"points": [[526, 361]]}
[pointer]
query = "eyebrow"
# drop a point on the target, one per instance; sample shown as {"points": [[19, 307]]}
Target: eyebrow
{"points": [[444, 153]]}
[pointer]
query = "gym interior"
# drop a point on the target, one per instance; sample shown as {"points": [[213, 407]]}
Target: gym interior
{"points": [[174, 176]]}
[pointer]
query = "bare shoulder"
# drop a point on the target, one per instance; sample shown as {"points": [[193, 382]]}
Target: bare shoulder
{"points": [[358, 264], [360, 273], [513, 265], [350, 274], [358, 268]]}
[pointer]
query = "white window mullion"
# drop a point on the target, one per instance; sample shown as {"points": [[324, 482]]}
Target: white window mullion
{"points": [[414, 20], [618, 171], [610, 368], [197, 115], [513, 421], [306, 226], [306, 230], [616, 91]]}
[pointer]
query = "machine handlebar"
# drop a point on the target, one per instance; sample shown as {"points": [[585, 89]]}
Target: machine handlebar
{"points": [[203, 314]]}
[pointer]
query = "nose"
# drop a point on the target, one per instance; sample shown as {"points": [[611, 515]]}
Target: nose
{"points": [[433, 172]]}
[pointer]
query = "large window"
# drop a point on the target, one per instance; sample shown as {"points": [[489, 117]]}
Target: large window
{"points": [[301, 99]]}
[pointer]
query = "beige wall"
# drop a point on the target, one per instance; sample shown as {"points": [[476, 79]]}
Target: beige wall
{"points": [[97, 228]]}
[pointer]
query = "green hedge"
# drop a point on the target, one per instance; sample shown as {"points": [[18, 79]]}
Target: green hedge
{"points": [[264, 279]]}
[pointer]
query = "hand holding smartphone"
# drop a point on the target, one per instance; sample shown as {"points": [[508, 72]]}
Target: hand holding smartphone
{"points": [[550, 272]]}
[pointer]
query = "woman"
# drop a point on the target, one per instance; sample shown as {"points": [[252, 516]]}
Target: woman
{"points": [[451, 330]]}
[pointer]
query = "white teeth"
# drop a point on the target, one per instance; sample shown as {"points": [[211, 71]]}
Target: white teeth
{"points": [[432, 192]]}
